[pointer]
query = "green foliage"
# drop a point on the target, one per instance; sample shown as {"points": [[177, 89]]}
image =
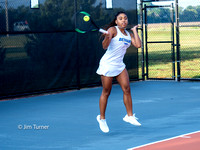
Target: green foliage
{"points": [[190, 14], [162, 15], [57, 15]]}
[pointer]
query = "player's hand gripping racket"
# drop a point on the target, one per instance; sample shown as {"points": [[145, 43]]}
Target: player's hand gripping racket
{"points": [[84, 23]]}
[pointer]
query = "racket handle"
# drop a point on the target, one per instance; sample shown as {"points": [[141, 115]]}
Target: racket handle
{"points": [[103, 31]]}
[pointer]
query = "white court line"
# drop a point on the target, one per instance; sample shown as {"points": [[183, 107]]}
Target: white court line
{"points": [[183, 136]]}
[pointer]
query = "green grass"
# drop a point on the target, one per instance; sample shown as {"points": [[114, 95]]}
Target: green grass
{"points": [[13, 41], [14, 45], [160, 61]]}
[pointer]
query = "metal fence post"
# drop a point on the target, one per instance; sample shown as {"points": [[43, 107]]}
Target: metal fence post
{"points": [[146, 46], [77, 51], [177, 42], [173, 44], [142, 38]]}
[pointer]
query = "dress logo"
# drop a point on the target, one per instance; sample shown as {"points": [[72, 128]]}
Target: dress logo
{"points": [[126, 41]]}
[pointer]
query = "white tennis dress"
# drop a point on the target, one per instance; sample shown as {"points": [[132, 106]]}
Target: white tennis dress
{"points": [[111, 64]]}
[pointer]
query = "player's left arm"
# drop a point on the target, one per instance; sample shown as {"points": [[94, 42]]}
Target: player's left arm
{"points": [[135, 39]]}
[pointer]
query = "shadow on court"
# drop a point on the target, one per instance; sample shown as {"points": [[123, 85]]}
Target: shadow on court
{"points": [[67, 121]]}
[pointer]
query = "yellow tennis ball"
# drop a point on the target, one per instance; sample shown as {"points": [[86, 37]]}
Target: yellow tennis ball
{"points": [[86, 18]]}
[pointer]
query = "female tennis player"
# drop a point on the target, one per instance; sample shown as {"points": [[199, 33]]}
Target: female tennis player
{"points": [[111, 65]]}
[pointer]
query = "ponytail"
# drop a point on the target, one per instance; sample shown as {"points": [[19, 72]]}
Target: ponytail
{"points": [[112, 24]]}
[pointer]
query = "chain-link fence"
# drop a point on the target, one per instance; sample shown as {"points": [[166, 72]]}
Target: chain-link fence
{"points": [[159, 34], [190, 41], [41, 52], [158, 39]]}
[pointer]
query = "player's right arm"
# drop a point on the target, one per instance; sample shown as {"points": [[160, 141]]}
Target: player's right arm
{"points": [[111, 33]]}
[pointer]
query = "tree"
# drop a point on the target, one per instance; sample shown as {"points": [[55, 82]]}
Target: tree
{"points": [[52, 50], [189, 14], [198, 12]]}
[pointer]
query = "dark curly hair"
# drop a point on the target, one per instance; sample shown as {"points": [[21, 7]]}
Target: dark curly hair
{"points": [[113, 21]]}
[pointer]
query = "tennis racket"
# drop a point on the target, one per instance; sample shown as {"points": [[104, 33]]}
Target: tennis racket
{"points": [[84, 23]]}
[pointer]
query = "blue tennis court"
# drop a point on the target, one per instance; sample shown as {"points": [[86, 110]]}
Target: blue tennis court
{"points": [[67, 121]]}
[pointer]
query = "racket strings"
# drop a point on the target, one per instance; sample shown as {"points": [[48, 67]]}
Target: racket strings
{"points": [[84, 26]]}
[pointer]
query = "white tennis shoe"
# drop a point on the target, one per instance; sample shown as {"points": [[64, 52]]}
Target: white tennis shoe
{"points": [[102, 124], [132, 120]]}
